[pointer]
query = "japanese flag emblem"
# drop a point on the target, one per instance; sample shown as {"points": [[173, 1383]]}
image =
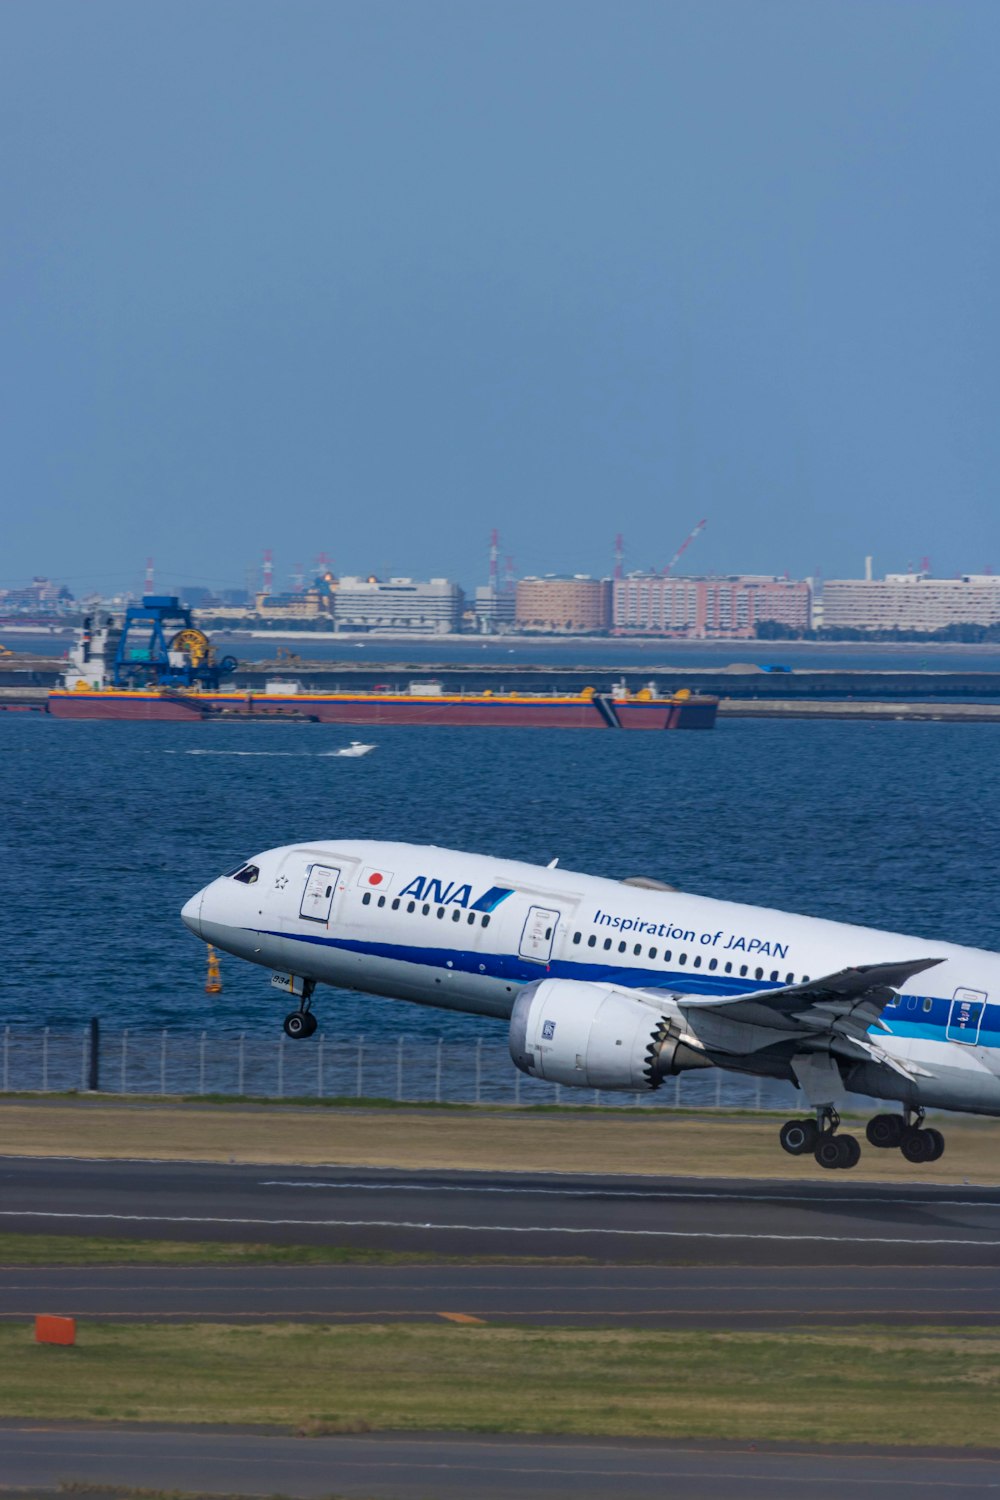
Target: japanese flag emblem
{"points": [[375, 880]]}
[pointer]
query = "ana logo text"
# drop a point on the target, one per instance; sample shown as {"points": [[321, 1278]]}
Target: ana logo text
{"points": [[454, 893]]}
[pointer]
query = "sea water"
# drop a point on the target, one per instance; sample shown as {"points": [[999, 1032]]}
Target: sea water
{"points": [[107, 828]]}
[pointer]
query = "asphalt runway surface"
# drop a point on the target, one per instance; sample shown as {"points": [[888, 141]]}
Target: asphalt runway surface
{"points": [[632, 1296], [440, 1466], [668, 1220]]}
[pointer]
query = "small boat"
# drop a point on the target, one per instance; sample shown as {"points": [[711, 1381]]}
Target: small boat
{"points": [[354, 748]]}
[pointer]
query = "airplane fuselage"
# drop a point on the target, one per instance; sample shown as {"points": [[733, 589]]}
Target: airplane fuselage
{"points": [[468, 932]]}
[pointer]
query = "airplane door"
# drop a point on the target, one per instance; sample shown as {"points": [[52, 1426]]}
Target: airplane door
{"points": [[318, 893], [966, 1016], [538, 934]]}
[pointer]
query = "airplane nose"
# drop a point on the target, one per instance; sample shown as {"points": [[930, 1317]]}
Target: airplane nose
{"points": [[191, 914]]}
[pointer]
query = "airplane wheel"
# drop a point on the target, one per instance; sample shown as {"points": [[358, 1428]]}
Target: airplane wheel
{"points": [[884, 1131], [827, 1151], [299, 1024], [917, 1145], [850, 1151], [798, 1136], [937, 1143]]}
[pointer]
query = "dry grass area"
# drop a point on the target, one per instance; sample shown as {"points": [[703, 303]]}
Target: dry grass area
{"points": [[851, 1385], [645, 1143]]}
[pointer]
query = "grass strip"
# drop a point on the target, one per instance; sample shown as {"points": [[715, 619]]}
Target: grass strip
{"points": [[858, 1385], [94, 1250]]}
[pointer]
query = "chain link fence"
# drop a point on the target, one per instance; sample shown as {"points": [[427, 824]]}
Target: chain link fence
{"points": [[400, 1068]]}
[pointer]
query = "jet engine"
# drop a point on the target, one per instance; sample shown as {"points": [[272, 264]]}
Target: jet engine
{"points": [[596, 1036]]}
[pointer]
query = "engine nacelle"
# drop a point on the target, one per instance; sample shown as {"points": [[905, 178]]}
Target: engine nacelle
{"points": [[595, 1036]]}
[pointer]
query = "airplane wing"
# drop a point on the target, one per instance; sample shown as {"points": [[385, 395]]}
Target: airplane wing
{"points": [[836, 1010]]}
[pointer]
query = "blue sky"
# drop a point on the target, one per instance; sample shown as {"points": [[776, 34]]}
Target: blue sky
{"points": [[371, 278]]}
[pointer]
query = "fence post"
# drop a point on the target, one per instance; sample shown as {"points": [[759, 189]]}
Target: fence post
{"points": [[677, 1091], [163, 1061], [558, 1093], [281, 1066], [123, 1089], [94, 1081], [45, 1060], [757, 1094], [6, 1059], [83, 1060], [319, 1067], [243, 1037], [479, 1068], [201, 1063], [399, 1070], [718, 1087], [359, 1079], [517, 1086], [437, 1072]]}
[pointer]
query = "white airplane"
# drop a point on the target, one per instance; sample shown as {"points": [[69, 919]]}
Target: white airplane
{"points": [[618, 984]]}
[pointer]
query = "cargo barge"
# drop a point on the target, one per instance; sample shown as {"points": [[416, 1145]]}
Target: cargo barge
{"points": [[160, 673]]}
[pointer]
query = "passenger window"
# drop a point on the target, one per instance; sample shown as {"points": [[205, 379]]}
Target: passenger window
{"points": [[758, 973], [411, 906], [248, 875], [395, 903], [592, 941], [366, 899], [743, 971], [576, 937], [774, 974], [652, 952], [456, 915], [381, 901], [426, 909], [697, 960], [928, 1002], [637, 949], [789, 978], [622, 947], [666, 955], [486, 921], [713, 963], [548, 933], [682, 958], [440, 912], [607, 944], [471, 919], [729, 966], [805, 979]]}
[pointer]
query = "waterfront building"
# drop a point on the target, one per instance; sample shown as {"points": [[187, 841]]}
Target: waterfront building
{"points": [[563, 604], [649, 604], [309, 604], [494, 610], [399, 606], [910, 601]]}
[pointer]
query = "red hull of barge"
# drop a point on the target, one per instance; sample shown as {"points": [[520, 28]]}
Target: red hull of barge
{"points": [[389, 709]]}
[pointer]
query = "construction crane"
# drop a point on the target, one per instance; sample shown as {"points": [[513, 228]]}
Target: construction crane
{"points": [[683, 548]]}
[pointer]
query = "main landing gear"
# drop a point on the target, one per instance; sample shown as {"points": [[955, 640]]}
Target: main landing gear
{"points": [[302, 1023], [819, 1137], [918, 1143]]}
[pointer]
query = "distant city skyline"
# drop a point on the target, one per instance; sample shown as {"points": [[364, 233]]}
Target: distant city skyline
{"points": [[377, 278]]}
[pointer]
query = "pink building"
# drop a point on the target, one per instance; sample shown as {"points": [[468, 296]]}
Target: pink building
{"points": [[649, 604]]}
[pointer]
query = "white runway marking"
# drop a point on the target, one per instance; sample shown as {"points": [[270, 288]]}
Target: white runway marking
{"points": [[662, 1234]]}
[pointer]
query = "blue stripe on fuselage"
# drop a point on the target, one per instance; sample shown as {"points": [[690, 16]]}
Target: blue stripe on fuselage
{"points": [[511, 968]]}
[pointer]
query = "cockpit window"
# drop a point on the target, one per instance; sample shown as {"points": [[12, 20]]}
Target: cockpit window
{"points": [[247, 875]]}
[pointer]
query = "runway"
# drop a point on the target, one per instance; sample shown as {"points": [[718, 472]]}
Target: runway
{"points": [[449, 1467], [664, 1297], [831, 1222]]}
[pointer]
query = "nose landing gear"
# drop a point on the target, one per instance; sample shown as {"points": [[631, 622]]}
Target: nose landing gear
{"points": [[302, 1023]]}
